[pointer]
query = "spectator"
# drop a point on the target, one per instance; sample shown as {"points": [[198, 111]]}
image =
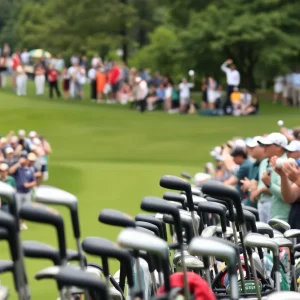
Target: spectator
{"points": [[16, 62], [6, 50], [25, 181], [253, 108], [240, 158], [10, 156], [74, 60], [84, 63], [289, 82], [21, 80], [156, 80], [275, 144], [25, 57], [132, 77], [92, 76], [101, 82], [204, 86], [296, 88], [53, 81], [3, 70], [293, 150], [236, 102], [278, 88], [124, 77], [39, 79], [184, 90], [168, 96], [96, 61], [175, 99], [66, 83], [246, 101], [74, 84], [142, 92], [220, 173], [113, 79], [151, 98], [81, 80], [290, 190], [160, 94], [47, 150], [34, 168], [124, 93], [293, 134], [211, 93], [59, 64], [8, 180], [233, 80]]}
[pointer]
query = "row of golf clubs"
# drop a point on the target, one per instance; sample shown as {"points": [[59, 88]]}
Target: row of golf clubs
{"points": [[182, 215]]}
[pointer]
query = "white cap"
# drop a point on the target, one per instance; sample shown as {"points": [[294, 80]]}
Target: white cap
{"points": [[138, 79], [36, 141], [274, 138], [252, 143], [239, 143], [14, 139], [32, 134], [21, 132], [216, 151], [9, 150], [293, 146]]}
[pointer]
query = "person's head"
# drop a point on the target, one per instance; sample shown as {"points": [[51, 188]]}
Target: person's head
{"points": [[161, 86], [3, 170], [51, 67], [32, 134], [184, 80], [9, 152], [83, 58], [31, 159], [219, 162], [232, 67], [23, 159], [293, 149], [21, 134], [138, 80], [254, 149], [113, 64], [65, 70], [3, 142], [236, 89], [296, 133], [14, 141], [274, 144], [239, 155]]}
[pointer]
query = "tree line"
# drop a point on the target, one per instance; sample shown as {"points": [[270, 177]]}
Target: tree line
{"points": [[172, 36]]}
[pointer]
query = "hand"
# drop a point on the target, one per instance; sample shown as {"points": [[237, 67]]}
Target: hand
{"points": [[266, 178], [26, 185], [246, 184], [253, 195], [273, 164], [292, 172], [229, 61]]}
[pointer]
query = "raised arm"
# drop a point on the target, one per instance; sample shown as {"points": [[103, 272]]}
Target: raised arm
{"points": [[224, 67]]}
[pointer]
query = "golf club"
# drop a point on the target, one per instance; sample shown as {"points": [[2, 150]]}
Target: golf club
{"points": [[279, 225]]}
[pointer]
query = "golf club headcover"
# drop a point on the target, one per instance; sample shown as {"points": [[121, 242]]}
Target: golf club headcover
{"points": [[197, 286]]}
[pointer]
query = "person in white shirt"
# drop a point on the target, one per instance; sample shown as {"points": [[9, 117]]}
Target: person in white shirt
{"points": [[142, 92], [21, 81], [25, 57], [232, 78], [92, 76], [296, 88], [184, 95], [278, 88], [211, 93], [96, 61]]}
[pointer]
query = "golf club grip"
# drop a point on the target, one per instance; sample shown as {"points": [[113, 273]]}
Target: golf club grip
{"points": [[174, 197], [75, 223], [292, 255], [216, 189], [116, 218], [276, 262], [14, 212]]}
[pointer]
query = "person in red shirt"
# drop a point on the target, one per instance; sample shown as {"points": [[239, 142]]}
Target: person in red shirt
{"points": [[16, 61], [114, 79], [53, 79]]}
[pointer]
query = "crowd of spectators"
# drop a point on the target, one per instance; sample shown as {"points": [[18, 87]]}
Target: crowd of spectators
{"points": [[113, 82], [23, 164], [265, 170]]}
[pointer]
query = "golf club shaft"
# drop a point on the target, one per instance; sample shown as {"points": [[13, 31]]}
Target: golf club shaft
{"points": [[194, 222], [186, 288], [243, 233], [138, 273], [154, 286], [234, 288], [257, 287]]}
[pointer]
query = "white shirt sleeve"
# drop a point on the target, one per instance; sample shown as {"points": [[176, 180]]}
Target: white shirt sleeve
{"points": [[191, 85], [224, 67]]}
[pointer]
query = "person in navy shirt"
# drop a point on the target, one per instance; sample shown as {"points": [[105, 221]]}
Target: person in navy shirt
{"points": [[25, 181]]}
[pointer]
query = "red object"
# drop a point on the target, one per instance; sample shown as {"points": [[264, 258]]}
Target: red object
{"points": [[114, 75], [52, 75], [15, 62], [197, 286]]}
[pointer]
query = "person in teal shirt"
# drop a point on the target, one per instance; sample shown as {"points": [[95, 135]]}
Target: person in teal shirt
{"points": [[275, 144], [7, 179]]}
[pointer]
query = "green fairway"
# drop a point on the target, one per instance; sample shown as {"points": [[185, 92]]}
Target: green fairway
{"points": [[111, 156]]}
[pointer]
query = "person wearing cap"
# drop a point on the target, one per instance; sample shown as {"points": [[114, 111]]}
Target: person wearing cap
{"points": [[10, 156], [184, 95], [34, 167], [293, 134], [250, 182], [293, 150], [4, 177], [240, 158], [269, 181], [290, 190], [25, 181]]}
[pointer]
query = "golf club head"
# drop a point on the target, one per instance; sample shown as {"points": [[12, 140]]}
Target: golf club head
{"points": [[136, 240], [196, 201], [105, 248], [186, 175], [261, 241], [264, 228], [191, 262], [3, 234], [52, 195], [209, 231], [250, 219], [177, 256], [283, 242], [40, 213], [151, 219], [214, 208], [284, 295], [252, 210], [177, 204], [116, 218], [292, 233], [178, 184], [149, 226], [8, 225], [171, 196], [228, 203], [210, 199], [279, 225], [217, 190], [154, 204], [277, 234]]}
